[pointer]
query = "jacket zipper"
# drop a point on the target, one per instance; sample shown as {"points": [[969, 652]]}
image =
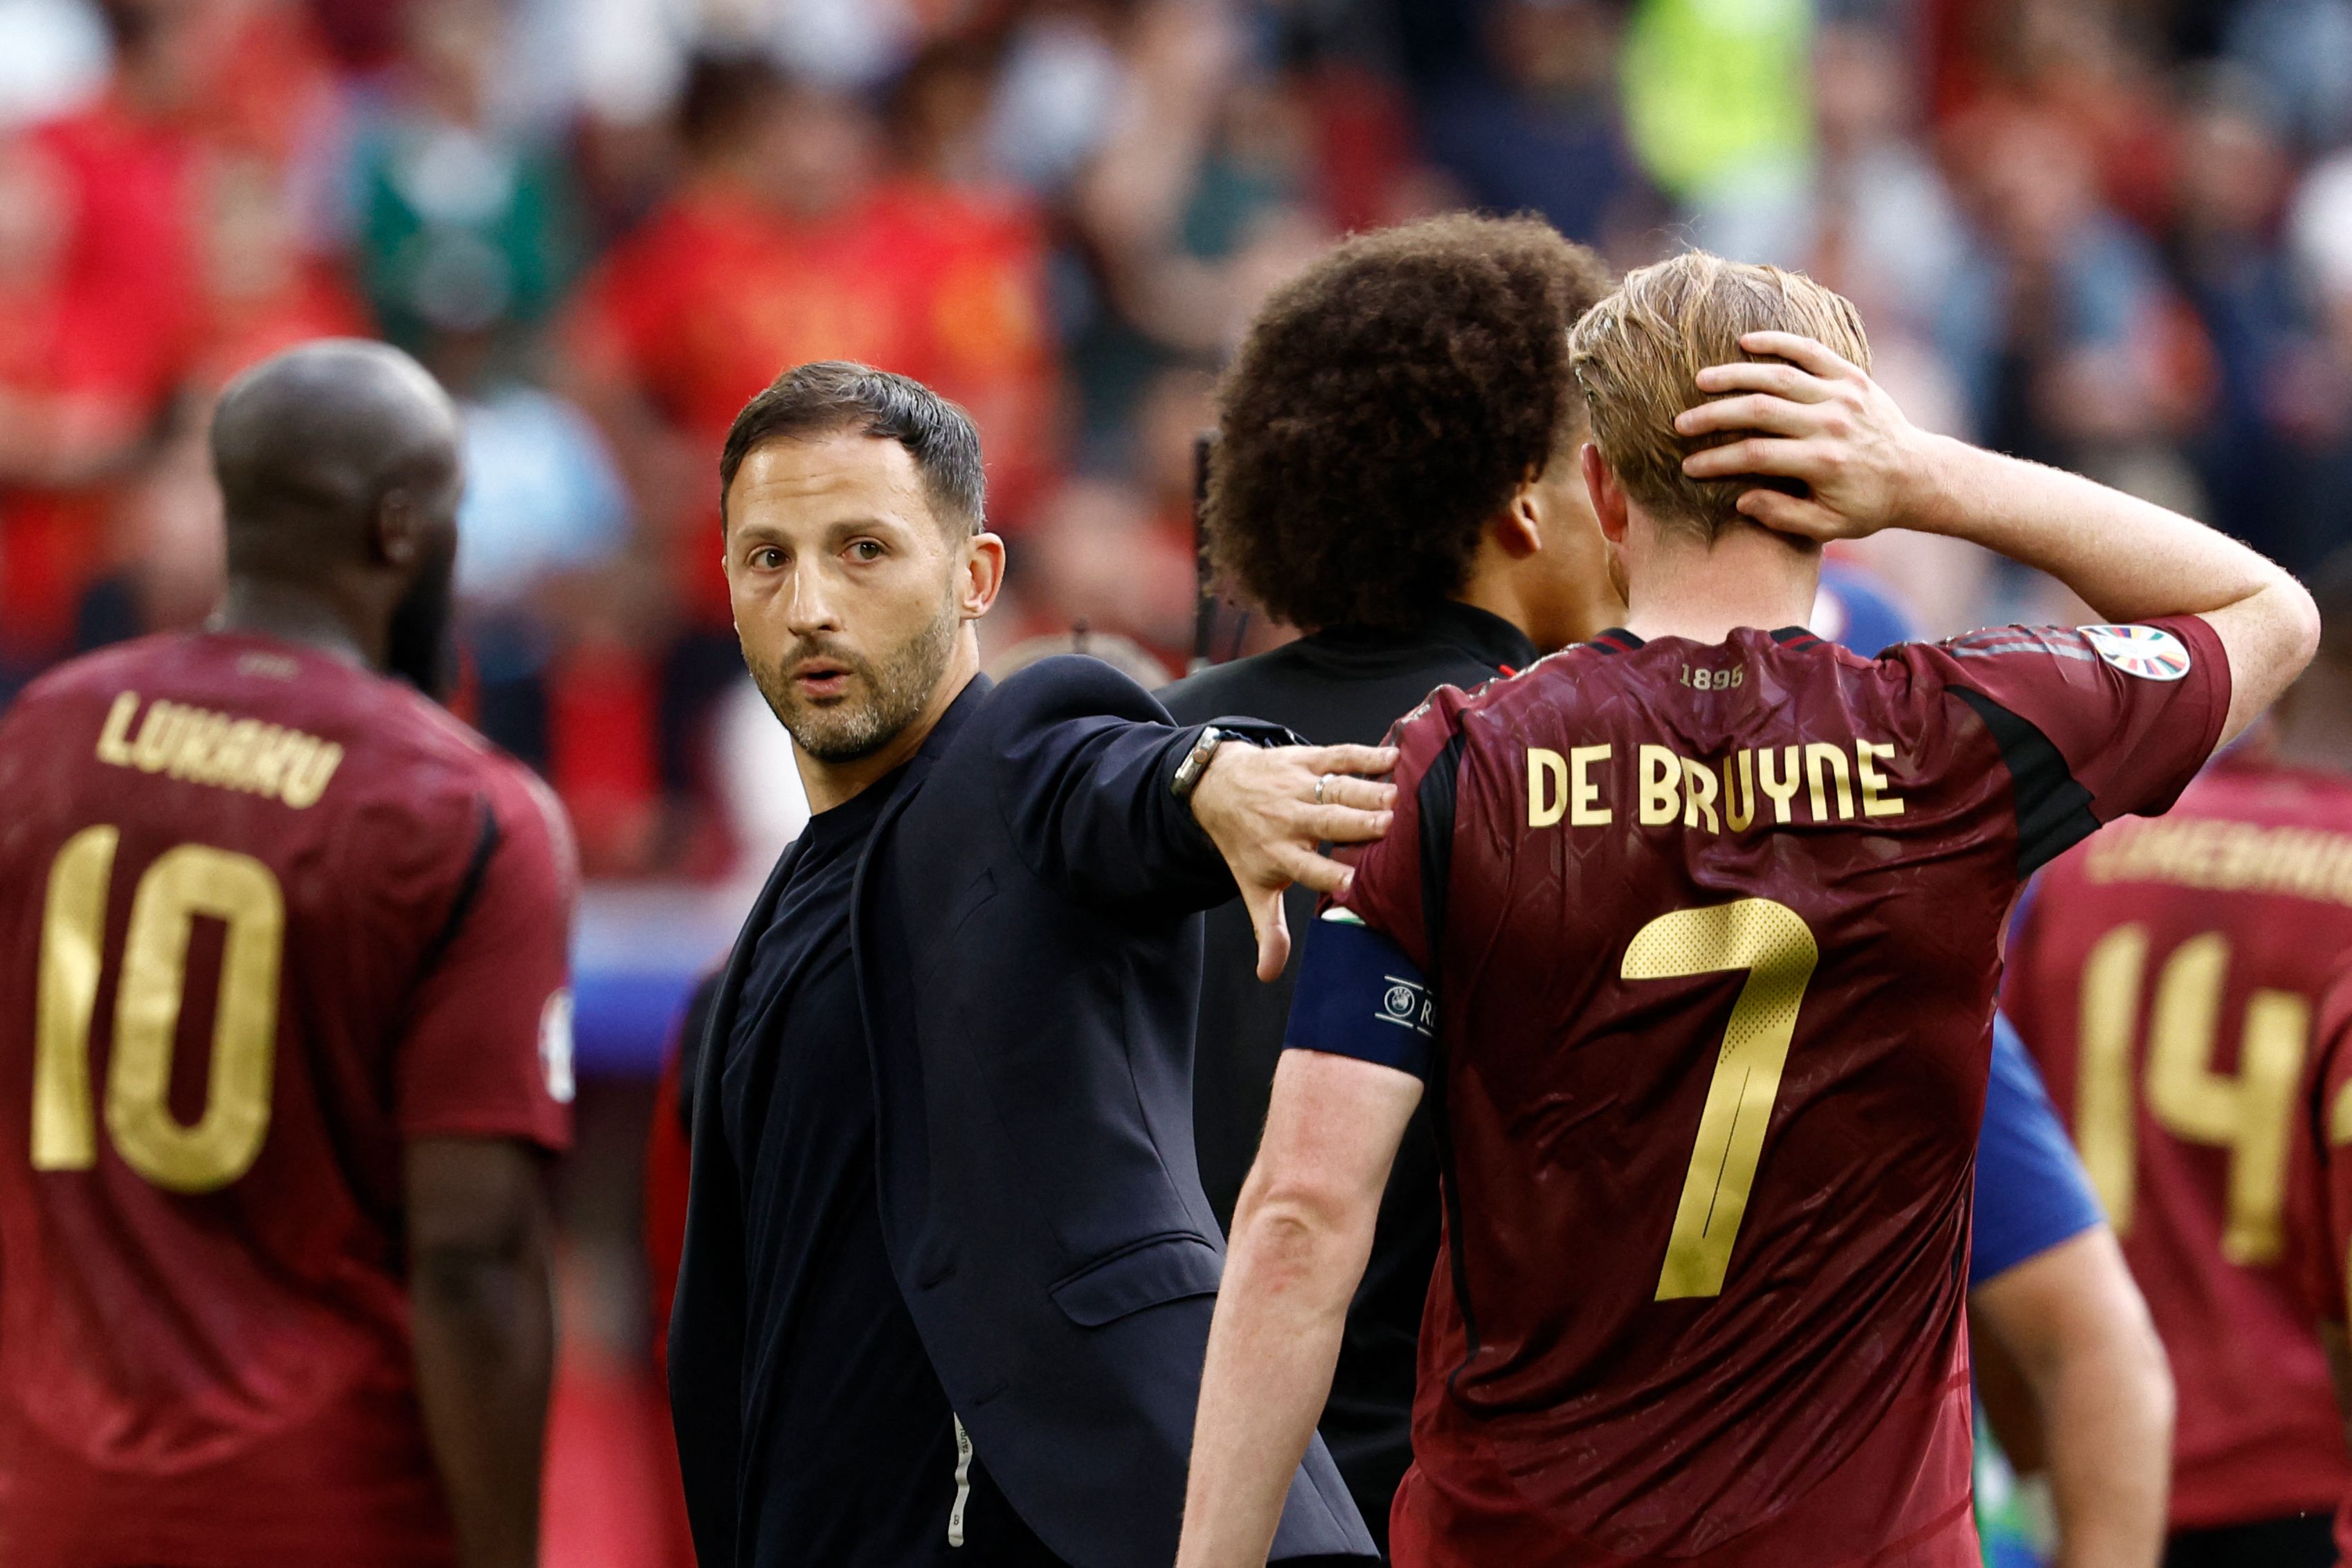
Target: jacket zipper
{"points": [[963, 1482]]}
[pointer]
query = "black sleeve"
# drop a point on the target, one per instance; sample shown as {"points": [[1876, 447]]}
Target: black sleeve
{"points": [[1084, 760], [705, 1328], [690, 1031]]}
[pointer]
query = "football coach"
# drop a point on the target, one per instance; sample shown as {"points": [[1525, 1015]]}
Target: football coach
{"points": [[948, 1269]]}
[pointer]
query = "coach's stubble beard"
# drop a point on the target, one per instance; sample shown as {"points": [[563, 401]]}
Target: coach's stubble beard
{"points": [[886, 696]]}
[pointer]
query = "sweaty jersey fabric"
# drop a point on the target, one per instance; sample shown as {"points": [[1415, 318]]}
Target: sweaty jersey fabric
{"points": [[2166, 976], [1719, 943], [264, 917]]}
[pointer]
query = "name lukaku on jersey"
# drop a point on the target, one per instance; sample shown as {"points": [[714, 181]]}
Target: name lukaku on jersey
{"points": [[218, 749], [1828, 783]]}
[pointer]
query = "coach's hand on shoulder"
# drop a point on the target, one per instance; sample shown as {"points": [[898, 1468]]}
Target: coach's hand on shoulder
{"points": [[1810, 416], [1268, 809]]}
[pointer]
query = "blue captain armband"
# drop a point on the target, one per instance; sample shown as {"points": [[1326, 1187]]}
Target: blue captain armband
{"points": [[1359, 996]]}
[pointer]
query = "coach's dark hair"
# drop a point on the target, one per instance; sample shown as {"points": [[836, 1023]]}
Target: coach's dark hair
{"points": [[828, 396], [1384, 405]]}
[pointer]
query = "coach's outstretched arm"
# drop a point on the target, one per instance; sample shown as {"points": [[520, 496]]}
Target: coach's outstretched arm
{"points": [[1808, 414], [1302, 1232], [483, 1318], [1088, 775]]}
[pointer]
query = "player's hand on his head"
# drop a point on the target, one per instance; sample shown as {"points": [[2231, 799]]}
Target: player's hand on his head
{"points": [[1269, 810], [1810, 416]]}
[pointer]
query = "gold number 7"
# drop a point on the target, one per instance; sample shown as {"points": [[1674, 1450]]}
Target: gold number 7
{"points": [[1771, 941]]}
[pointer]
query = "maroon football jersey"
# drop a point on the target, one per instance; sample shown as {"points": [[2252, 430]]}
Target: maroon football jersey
{"points": [[1714, 990], [2165, 975], [2320, 1213], [263, 917]]}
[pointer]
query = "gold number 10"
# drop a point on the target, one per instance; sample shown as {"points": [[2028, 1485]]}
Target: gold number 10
{"points": [[181, 885], [1771, 941]]}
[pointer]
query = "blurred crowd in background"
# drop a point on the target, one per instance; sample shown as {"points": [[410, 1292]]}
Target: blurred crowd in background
{"points": [[2115, 234], [2111, 234]]}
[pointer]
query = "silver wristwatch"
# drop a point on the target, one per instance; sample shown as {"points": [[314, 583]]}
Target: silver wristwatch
{"points": [[1196, 761]]}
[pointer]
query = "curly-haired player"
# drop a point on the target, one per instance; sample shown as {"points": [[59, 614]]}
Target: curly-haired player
{"points": [[1691, 936], [1396, 473], [1398, 433]]}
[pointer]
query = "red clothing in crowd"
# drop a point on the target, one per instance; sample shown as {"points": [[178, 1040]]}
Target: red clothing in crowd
{"points": [[718, 294]]}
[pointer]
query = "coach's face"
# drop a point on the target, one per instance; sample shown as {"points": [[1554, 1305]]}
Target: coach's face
{"points": [[854, 600]]}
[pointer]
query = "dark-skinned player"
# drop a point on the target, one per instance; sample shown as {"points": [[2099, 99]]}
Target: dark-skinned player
{"points": [[285, 1041]]}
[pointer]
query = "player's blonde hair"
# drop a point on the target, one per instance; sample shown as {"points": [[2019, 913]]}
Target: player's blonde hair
{"points": [[1637, 355]]}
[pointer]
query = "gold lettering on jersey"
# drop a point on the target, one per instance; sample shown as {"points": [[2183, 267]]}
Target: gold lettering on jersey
{"points": [[1739, 791], [1715, 794], [1783, 788], [112, 746], [223, 750], [1818, 754], [1875, 800], [1662, 773], [1547, 787], [1584, 808], [2227, 857], [1699, 794]]}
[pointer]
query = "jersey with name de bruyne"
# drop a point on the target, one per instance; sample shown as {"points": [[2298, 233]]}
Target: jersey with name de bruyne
{"points": [[266, 917], [1714, 1000]]}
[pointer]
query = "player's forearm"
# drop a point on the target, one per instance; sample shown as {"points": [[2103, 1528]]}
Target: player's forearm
{"points": [[2075, 1323], [1276, 1338], [2108, 1415], [2127, 558], [485, 1332]]}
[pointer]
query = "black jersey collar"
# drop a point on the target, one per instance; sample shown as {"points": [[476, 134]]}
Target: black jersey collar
{"points": [[1481, 634]]}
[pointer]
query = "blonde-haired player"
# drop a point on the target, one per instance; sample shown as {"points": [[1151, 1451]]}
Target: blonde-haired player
{"points": [[1690, 935]]}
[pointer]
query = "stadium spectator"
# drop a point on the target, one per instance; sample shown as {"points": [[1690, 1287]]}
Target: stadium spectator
{"points": [[1522, 112], [2224, 251], [2318, 477], [465, 223]]}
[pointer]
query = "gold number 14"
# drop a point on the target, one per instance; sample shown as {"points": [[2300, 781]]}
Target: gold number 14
{"points": [[181, 884], [1771, 941], [2249, 1115]]}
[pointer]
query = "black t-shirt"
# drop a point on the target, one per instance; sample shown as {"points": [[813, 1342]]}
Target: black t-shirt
{"points": [[851, 1457], [1336, 688]]}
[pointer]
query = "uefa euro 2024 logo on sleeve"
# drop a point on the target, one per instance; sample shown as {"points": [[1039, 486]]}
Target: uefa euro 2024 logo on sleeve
{"points": [[2148, 652]]}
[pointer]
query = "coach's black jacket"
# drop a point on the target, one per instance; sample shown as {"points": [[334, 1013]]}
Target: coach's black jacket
{"points": [[1027, 949]]}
